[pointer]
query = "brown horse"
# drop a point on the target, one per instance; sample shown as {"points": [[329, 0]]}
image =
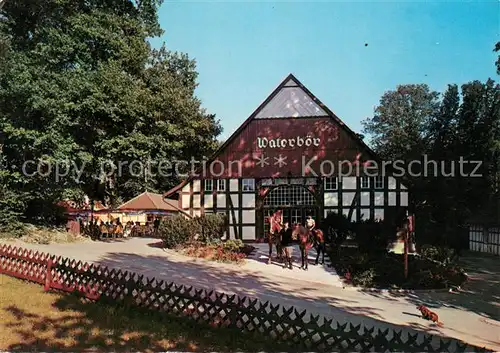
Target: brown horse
{"points": [[306, 241], [273, 237]]}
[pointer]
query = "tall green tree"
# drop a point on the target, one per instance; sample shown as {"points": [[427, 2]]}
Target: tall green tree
{"points": [[398, 127], [478, 139], [497, 49], [440, 188], [461, 125], [81, 84], [399, 131]]}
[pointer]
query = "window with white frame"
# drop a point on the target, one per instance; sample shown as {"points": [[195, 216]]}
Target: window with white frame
{"points": [[365, 182], [331, 184], [296, 216], [248, 184], [209, 184], [221, 185], [378, 182]]}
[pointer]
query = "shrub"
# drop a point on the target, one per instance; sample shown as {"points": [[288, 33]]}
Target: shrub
{"points": [[438, 253], [336, 228], [387, 271], [210, 227], [15, 229], [177, 230], [214, 253], [373, 237], [364, 278], [233, 245]]}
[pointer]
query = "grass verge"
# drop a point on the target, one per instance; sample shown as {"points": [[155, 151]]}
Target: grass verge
{"points": [[34, 320]]}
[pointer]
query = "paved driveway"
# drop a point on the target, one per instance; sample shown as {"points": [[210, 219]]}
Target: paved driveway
{"points": [[472, 316]]}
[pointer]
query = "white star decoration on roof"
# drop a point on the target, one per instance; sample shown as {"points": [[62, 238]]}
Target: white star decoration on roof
{"points": [[280, 161], [262, 161]]}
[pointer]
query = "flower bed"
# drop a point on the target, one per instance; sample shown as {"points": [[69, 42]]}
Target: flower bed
{"points": [[386, 270], [231, 251]]}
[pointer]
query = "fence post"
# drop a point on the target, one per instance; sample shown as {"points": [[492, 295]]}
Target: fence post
{"points": [[485, 244], [48, 276]]}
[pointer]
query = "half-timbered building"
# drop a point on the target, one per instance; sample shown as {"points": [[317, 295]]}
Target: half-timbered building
{"points": [[289, 155]]}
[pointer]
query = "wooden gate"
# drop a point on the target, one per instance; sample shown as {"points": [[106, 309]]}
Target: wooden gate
{"points": [[484, 238]]}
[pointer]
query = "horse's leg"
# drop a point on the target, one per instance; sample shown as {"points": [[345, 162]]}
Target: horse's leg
{"points": [[289, 257], [270, 242], [306, 258], [322, 253], [302, 251], [318, 249]]}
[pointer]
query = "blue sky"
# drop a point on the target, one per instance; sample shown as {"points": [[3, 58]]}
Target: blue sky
{"points": [[244, 49]]}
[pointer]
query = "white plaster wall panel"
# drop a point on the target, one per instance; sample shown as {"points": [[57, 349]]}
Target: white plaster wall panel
{"points": [[403, 187], [379, 214], [196, 201], [347, 198], [392, 183], [186, 188], [231, 233], [248, 200], [185, 201], [235, 201], [197, 213], [234, 219], [331, 199], [349, 183], [365, 199], [233, 185], [196, 185], [209, 201], [364, 214], [379, 199], [248, 216], [404, 199], [248, 233], [392, 199], [221, 201]]}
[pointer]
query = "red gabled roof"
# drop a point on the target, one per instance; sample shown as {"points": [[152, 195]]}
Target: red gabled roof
{"points": [[332, 115], [150, 201]]}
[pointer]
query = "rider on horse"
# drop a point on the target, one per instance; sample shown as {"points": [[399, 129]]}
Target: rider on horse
{"points": [[318, 237], [310, 223]]}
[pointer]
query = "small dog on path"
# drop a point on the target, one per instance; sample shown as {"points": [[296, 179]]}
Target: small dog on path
{"points": [[427, 314]]}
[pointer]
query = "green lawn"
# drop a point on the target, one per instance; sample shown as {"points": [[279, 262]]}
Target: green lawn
{"points": [[31, 319]]}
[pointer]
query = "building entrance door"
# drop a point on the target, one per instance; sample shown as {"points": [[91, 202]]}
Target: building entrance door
{"points": [[296, 203]]}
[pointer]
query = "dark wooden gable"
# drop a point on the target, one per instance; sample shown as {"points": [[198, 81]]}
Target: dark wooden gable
{"points": [[291, 126]]}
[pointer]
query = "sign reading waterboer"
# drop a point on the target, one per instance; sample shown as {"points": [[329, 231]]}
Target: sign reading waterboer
{"points": [[264, 142]]}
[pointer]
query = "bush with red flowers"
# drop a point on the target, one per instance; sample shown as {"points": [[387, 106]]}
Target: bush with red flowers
{"points": [[231, 251]]}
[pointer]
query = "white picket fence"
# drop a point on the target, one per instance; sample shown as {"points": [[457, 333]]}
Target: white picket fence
{"points": [[484, 239]]}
